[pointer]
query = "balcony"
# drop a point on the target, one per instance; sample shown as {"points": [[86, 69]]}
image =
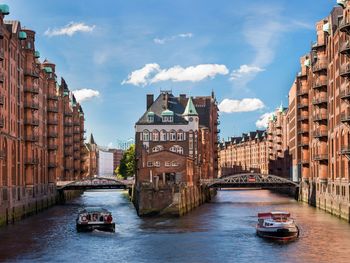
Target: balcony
{"points": [[31, 161], [344, 26], [320, 84], [52, 109], [76, 139], [68, 143], [320, 100], [52, 147], [345, 48], [68, 114], [68, 123], [68, 153], [320, 117], [76, 123], [1, 53], [345, 70], [345, 93], [68, 134], [303, 105], [303, 117], [31, 121], [319, 134], [1, 33], [76, 132], [52, 135], [31, 138], [31, 73], [304, 161], [303, 92], [52, 122], [52, 165], [345, 117], [2, 77], [1, 122], [2, 99], [31, 105], [76, 148], [316, 45], [303, 131], [2, 154], [301, 74], [52, 97], [303, 144], [33, 89], [320, 66], [321, 157], [345, 150]]}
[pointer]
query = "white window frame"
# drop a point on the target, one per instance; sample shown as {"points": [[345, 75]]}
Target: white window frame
{"points": [[163, 136], [149, 164]]}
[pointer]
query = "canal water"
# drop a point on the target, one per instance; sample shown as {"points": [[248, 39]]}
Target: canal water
{"points": [[221, 231]]}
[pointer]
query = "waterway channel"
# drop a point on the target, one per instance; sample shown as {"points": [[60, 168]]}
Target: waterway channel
{"points": [[221, 231]]}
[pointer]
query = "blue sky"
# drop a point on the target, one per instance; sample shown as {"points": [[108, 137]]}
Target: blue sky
{"points": [[117, 51]]}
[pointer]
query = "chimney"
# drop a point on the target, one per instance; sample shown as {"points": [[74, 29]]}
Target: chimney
{"points": [[183, 101], [149, 100]]}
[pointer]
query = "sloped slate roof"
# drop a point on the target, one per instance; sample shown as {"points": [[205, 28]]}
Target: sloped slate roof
{"points": [[164, 102]]}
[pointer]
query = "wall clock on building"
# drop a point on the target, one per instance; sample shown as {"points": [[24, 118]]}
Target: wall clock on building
{"points": [[191, 119]]}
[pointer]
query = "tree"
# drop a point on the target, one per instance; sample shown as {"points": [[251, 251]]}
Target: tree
{"points": [[127, 163]]}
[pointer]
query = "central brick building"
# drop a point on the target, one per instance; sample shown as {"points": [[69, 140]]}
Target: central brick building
{"points": [[176, 147]]}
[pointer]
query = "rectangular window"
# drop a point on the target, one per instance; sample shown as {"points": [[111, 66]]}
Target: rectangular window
{"points": [[167, 163], [180, 136], [157, 163], [149, 164], [172, 136]]}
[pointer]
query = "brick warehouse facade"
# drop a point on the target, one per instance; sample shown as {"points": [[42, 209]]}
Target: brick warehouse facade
{"points": [[41, 125], [176, 146], [263, 152], [323, 92], [315, 130]]}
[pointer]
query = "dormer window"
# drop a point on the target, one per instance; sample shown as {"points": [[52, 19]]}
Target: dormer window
{"points": [[167, 116], [150, 116]]}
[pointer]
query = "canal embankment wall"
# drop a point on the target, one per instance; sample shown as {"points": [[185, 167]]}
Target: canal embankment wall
{"points": [[13, 210], [322, 196], [169, 200]]}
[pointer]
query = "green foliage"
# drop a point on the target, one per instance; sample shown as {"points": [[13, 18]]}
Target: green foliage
{"points": [[127, 163]]}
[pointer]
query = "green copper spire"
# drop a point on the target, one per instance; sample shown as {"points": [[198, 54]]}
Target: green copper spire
{"points": [[190, 108]]}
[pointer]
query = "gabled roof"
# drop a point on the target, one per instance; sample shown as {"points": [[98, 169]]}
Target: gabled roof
{"points": [[164, 102]]}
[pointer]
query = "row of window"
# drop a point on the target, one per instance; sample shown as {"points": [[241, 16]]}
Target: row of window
{"points": [[162, 136], [166, 164], [150, 118], [175, 148]]}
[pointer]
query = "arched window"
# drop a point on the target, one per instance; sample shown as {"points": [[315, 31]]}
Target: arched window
{"points": [[145, 136], [163, 135], [180, 135], [172, 135], [155, 136], [157, 148], [177, 149]]}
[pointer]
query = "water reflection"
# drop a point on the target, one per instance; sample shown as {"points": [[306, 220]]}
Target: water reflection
{"points": [[222, 231]]}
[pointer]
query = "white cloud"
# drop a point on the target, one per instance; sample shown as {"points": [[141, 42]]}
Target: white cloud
{"points": [[152, 73], [70, 29], [110, 145], [245, 70], [263, 120], [162, 41], [244, 105], [193, 73], [263, 28], [85, 94], [140, 76]]}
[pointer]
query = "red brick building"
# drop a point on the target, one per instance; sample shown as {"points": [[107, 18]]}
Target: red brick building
{"points": [[263, 152], [176, 147], [38, 117]]}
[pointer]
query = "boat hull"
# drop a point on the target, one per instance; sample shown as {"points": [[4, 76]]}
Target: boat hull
{"points": [[101, 227], [283, 234]]}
